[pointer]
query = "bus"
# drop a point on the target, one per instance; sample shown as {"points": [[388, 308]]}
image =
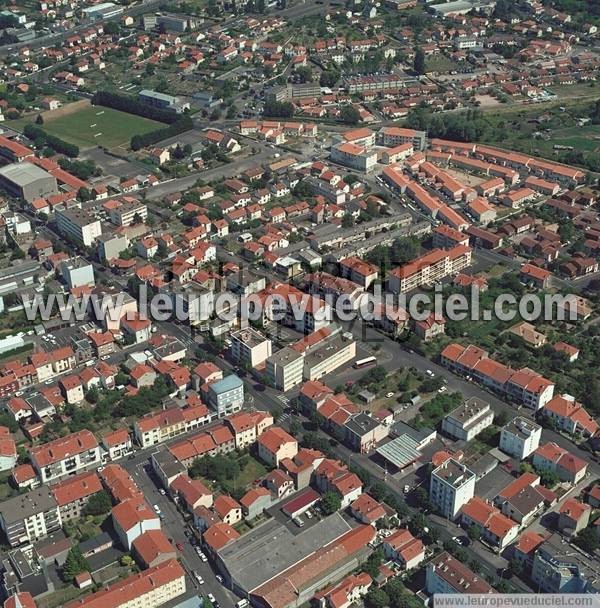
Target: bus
{"points": [[364, 362]]}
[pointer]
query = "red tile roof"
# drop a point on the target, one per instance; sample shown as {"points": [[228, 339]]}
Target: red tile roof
{"points": [[76, 487], [135, 586]]}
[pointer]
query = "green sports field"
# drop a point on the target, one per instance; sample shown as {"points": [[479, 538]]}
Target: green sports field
{"points": [[98, 126]]}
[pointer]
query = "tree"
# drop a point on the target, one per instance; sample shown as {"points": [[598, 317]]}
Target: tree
{"points": [[350, 115], [39, 120], [373, 563], [83, 194], [277, 412], [331, 502], [419, 61], [111, 28], [74, 564], [474, 532], [98, 504], [126, 560], [347, 221], [376, 598], [587, 540], [422, 498]]}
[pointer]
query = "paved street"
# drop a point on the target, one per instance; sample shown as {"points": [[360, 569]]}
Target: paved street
{"points": [[173, 525]]}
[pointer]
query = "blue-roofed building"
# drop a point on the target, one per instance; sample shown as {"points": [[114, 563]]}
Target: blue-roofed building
{"points": [[226, 396]]}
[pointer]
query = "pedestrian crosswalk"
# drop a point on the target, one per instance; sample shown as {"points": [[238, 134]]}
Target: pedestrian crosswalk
{"points": [[283, 399]]}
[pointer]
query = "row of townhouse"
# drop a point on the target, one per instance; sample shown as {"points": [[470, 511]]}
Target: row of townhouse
{"points": [[524, 386], [236, 432], [156, 428], [525, 164]]}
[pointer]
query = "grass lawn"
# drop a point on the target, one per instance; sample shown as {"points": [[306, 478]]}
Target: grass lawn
{"points": [[98, 126], [441, 64], [253, 470]]}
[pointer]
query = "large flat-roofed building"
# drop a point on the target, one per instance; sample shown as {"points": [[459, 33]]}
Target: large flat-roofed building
{"points": [[279, 566], [30, 516], [328, 355], [452, 485], [27, 181], [468, 420], [78, 225], [104, 10], [520, 437], [560, 567], [284, 368], [162, 101]]}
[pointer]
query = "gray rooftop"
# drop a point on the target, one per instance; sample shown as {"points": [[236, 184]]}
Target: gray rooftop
{"points": [[361, 424], [284, 356], [23, 173], [157, 95], [521, 427], [269, 549], [18, 508], [453, 473]]}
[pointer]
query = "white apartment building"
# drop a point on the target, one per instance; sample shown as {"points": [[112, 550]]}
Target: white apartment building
{"points": [[77, 272], [285, 368], [78, 225], [128, 213], [27, 517], [65, 456], [249, 347], [353, 156], [520, 437], [468, 420], [327, 356], [395, 136], [452, 485], [429, 268]]}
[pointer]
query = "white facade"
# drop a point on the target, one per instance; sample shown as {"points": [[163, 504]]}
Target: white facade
{"points": [[468, 420], [452, 485], [249, 347], [285, 368], [520, 437], [79, 226]]}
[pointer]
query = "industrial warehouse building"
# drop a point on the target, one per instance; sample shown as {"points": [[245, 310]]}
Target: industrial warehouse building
{"points": [[28, 181], [278, 565]]}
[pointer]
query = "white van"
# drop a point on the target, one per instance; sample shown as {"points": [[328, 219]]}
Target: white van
{"points": [[242, 603]]}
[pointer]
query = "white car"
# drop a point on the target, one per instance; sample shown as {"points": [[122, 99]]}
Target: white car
{"points": [[390, 394], [199, 578], [203, 556], [442, 389], [211, 598], [219, 578], [157, 509], [430, 373], [162, 491]]}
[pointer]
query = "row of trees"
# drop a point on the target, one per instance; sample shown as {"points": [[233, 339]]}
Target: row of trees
{"points": [[41, 138], [279, 109], [127, 103], [83, 169], [182, 124]]}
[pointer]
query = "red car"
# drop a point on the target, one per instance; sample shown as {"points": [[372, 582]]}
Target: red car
{"points": [[179, 546]]}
